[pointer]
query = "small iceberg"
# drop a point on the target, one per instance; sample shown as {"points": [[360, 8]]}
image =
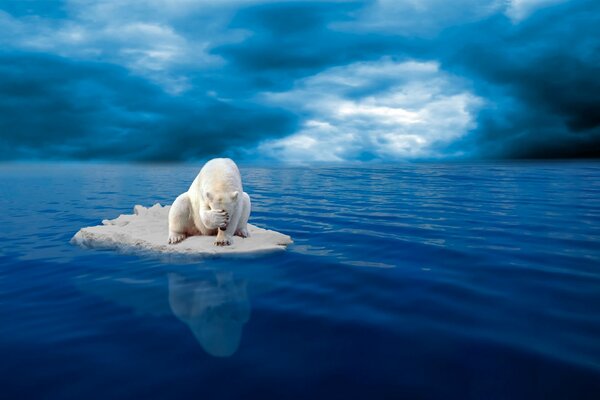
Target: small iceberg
{"points": [[147, 230]]}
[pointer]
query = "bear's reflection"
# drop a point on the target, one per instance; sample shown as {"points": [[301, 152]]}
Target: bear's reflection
{"points": [[213, 304], [214, 310]]}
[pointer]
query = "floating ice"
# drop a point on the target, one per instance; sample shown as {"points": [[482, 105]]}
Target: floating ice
{"points": [[147, 230]]}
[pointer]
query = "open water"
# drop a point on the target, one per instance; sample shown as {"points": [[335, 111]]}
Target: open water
{"points": [[424, 281]]}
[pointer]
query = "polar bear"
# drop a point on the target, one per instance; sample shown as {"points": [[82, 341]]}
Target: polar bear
{"points": [[215, 203]]}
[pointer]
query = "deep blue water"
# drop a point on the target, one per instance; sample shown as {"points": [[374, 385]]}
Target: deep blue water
{"points": [[425, 281]]}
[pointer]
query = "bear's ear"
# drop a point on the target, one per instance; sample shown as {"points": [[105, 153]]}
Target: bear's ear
{"points": [[209, 196], [234, 195]]}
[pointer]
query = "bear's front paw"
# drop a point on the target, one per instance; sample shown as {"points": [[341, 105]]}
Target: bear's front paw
{"points": [[175, 238], [223, 239], [220, 218], [222, 242]]}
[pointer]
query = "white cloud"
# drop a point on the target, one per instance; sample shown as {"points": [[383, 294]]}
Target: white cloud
{"points": [[137, 35], [419, 17], [383, 109], [518, 10], [426, 18]]}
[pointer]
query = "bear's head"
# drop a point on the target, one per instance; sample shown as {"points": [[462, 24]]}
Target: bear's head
{"points": [[225, 201]]}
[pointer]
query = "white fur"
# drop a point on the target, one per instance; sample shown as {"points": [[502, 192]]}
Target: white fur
{"points": [[215, 203]]}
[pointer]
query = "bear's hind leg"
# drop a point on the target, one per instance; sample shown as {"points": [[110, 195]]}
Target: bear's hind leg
{"points": [[242, 229], [180, 219]]}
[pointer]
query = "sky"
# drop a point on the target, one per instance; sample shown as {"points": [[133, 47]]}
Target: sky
{"points": [[299, 81]]}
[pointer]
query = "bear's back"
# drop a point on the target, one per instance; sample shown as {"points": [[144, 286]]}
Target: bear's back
{"points": [[219, 174]]}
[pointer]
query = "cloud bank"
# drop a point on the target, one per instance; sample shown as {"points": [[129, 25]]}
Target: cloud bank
{"points": [[299, 80], [374, 110]]}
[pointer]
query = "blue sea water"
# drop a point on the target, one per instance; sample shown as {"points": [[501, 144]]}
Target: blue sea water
{"points": [[424, 281]]}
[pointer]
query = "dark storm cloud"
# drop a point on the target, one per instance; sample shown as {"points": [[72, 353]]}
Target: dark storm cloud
{"points": [[541, 78], [295, 36], [184, 80], [55, 108], [291, 40], [20, 8]]}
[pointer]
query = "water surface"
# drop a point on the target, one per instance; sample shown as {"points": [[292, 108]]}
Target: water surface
{"points": [[466, 281]]}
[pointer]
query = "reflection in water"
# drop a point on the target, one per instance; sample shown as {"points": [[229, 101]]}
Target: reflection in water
{"points": [[213, 304], [215, 311]]}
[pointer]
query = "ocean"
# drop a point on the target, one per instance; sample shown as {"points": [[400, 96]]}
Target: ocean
{"points": [[417, 281]]}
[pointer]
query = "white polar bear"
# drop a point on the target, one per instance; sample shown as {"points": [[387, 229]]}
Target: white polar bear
{"points": [[215, 203]]}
